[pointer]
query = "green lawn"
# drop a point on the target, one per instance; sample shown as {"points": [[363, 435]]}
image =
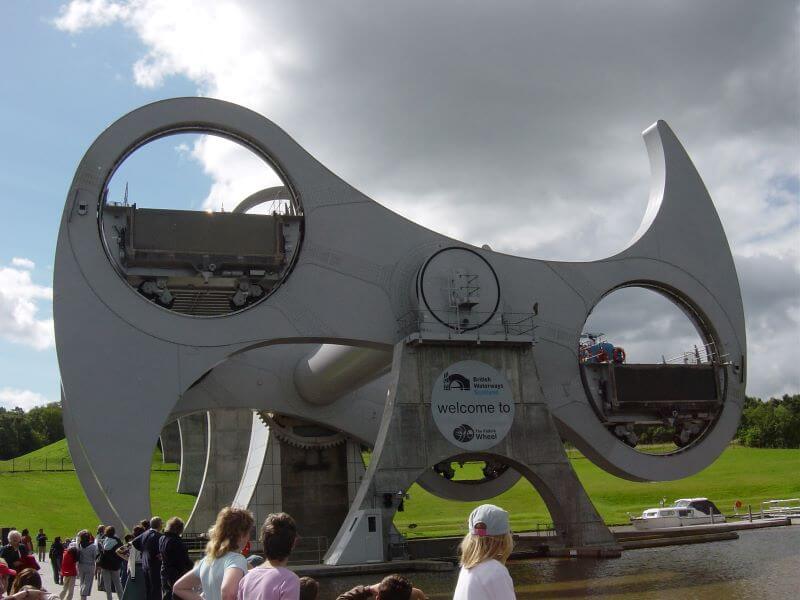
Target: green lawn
{"points": [[55, 500], [747, 474]]}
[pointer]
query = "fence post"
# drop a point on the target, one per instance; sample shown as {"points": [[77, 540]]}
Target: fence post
{"points": [[12, 464], [45, 463]]}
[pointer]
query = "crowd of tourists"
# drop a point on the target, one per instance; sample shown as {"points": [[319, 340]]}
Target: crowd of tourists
{"points": [[152, 563]]}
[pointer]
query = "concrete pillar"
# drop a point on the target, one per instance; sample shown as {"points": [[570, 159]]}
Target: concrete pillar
{"points": [[193, 431], [260, 488], [410, 442], [314, 486], [171, 443], [355, 469], [228, 444]]}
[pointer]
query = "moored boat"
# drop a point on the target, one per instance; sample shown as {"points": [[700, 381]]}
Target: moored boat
{"points": [[684, 512]]}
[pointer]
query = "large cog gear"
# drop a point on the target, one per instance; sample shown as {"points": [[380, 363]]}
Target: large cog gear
{"points": [[283, 428]]}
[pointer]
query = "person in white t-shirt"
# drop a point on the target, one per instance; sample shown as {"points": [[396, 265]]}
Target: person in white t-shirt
{"points": [[223, 566], [484, 551]]}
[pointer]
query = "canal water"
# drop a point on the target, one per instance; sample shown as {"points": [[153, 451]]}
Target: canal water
{"points": [[761, 564]]}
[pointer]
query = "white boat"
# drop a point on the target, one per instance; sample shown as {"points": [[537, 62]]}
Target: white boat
{"points": [[685, 512]]}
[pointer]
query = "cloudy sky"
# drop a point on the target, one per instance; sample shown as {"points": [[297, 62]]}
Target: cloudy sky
{"points": [[525, 116]]}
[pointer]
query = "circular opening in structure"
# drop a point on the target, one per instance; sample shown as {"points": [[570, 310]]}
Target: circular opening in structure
{"points": [[200, 225], [650, 371], [423, 513], [470, 471]]}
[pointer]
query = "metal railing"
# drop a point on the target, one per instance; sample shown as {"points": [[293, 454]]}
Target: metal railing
{"points": [[467, 324], [772, 509], [703, 355], [27, 465], [310, 550], [544, 530], [195, 543]]}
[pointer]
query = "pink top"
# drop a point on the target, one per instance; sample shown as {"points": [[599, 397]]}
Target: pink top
{"points": [[269, 583]]}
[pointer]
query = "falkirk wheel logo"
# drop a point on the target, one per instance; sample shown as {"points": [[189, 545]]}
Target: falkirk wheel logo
{"points": [[472, 405], [463, 433]]}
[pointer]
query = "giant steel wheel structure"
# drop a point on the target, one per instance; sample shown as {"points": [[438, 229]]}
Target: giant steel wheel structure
{"points": [[300, 313]]}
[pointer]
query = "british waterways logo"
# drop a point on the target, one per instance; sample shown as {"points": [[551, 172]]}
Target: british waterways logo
{"points": [[456, 381]]}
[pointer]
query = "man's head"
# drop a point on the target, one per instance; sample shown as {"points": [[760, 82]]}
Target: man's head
{"points": [[394, 587], [155, 523], [309, 588], [175, 526], [14, 537], [41, 531]]}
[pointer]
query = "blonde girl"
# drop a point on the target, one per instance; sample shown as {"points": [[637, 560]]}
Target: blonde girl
{"points": [[484, 552], [223, 566]]}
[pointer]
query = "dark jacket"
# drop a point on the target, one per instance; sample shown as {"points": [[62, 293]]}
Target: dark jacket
{"points": [[175, 559], [147, 544], [109, 559], [56, 551], [11, 556], [360, 592]]}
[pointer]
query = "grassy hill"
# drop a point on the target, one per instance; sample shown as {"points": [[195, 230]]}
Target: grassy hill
{"points": [[55, 500], [49, 458], [55, 451]]}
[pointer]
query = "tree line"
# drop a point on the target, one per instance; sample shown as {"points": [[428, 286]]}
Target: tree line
{"points": [[774, 423], [22, 432]]}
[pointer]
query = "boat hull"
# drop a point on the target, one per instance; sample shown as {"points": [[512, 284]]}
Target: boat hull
{"points": [[646, 524]]}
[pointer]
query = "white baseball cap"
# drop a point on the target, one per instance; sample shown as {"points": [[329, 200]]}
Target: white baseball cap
{"points": [[488, 519]]}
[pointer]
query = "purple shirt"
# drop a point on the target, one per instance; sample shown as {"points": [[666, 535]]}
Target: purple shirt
{"points": [[269, 583]]}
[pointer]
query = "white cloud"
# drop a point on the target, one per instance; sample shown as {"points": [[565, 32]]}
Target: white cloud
{"points": [[24, 399], [20, 320], [523, 121], [83, 14], [23, 263], [235, 171]]}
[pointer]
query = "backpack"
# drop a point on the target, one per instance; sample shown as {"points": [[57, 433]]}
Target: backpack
{"points": [[109, 559]]}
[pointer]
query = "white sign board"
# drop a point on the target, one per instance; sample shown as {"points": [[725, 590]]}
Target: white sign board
{"points": [[472, 405]]}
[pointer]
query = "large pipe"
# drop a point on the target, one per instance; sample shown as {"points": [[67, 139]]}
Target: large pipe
{"points": [[331, 371]]}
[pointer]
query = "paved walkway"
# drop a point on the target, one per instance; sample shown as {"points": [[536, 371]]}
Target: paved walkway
{"points": [[46, 573]]}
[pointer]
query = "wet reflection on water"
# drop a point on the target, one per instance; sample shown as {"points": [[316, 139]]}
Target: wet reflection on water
{"points": [[762, 563]]}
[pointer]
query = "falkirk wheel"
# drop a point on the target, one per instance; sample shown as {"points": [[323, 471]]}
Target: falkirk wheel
{"points": [[297, 337]]}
